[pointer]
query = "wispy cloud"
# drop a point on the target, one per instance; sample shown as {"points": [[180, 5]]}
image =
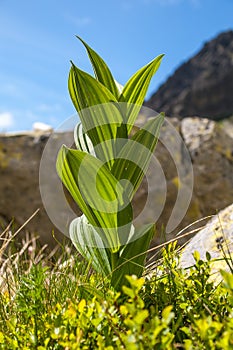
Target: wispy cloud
{"points": [[6, 120]]}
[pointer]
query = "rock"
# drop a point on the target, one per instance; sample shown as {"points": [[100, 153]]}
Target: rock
{"points": [[216, 238], [212, 160], [211, 150], [202, 86], [20, 156]]}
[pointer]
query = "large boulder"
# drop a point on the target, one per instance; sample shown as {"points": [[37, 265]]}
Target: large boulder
{"points": [[211, 151], [210, 148], [20, 156], [215, 238]]}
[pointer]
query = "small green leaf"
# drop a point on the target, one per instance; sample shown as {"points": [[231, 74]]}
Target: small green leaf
{"points": [[196, 256]]}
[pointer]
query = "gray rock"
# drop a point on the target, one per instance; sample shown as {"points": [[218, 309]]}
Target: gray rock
{"points": [[20, 156], [211, 149], [212, 159], [216, 238]]}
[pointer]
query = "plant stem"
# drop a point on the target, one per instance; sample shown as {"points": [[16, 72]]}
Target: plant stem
{"points": [[114, 260]]}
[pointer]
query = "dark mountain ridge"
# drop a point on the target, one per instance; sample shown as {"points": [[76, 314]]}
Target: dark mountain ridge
{"points": [[202, 86]]}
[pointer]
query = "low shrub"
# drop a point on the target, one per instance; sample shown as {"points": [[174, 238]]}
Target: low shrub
{"points": [[69, 306]]}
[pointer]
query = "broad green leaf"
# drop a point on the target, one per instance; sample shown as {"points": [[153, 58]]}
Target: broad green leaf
{"points": [[101, 70], [133, 160], [98, 111], [96, 191], [85, 91], [133, 255], [65, 172], [135, 90], [89, 244]]}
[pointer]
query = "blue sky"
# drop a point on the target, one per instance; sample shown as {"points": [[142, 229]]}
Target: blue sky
{"points": [[37, 42]]}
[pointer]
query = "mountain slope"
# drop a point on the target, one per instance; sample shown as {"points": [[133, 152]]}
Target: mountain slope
{"points": [[203, 86]]}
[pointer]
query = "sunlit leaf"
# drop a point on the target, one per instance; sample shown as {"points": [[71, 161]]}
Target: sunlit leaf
{"points": [[101, 70], [98, 111], [135, 90], [134, 158], [96, 191]]}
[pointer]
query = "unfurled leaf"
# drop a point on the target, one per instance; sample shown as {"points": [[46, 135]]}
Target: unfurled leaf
{"points": [[98, 111], [134, 158], [101, 70], [85, 91], [135, 90], [97, 192]]}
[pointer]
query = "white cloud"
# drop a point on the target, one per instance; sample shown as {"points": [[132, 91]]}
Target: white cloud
{"points": [[6, 120]]}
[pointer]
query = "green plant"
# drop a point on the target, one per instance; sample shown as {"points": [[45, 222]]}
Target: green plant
{"points": [[105, 171]]}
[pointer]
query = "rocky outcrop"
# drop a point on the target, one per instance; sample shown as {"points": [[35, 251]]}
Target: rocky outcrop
{"points": [[211, 152], [20, 156], [210, 148], [215, 238], [202, 86]]}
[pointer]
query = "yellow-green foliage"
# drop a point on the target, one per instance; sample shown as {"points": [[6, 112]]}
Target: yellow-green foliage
{"points": [[51, 308]]}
